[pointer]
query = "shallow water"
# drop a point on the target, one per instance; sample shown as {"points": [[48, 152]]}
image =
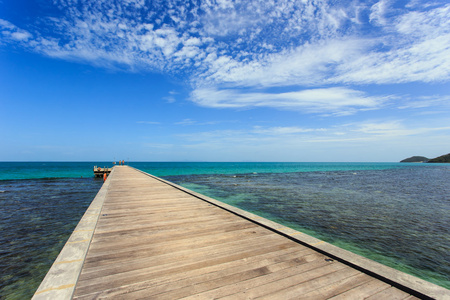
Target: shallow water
{"points": [[37, 217]]}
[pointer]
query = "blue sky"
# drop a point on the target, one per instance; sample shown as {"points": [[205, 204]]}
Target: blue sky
{"points": [[254, 80]]}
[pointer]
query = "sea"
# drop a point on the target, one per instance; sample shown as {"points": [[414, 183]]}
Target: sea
{"points": [[395, 213]]}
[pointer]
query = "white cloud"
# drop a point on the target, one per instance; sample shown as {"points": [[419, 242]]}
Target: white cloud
{"points": [[309, 64], [384, 128], [148, 122], [427, 61], [12, 32], [278, 131], [368, 130], [415, 48], [424, 24], [159, 146], [420, 51], [21, 35], [136, 3], [378, 12], [186, 122], [394, 129], [226, 48], [434, 101], [216, 136], [169, 99], [330, 100]]}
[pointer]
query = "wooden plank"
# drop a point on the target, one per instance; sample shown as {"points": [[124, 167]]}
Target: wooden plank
{"points": [[364, 290], [300, 288], [391, 293], [336, 288], [288, 280], [239, 289]]}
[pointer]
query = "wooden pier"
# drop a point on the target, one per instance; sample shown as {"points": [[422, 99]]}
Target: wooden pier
{"points": [[99, 172], [143, 237]]}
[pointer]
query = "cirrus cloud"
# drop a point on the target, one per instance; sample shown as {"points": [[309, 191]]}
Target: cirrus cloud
{"points": [[336, 100], [225, 48]]}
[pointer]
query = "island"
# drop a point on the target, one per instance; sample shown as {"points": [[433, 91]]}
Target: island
{"points": [[416, 159], [422, 159], [441, 159]]}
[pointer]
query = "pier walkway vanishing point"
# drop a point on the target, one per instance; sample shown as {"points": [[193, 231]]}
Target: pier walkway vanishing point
{"points": [[145, 238]]}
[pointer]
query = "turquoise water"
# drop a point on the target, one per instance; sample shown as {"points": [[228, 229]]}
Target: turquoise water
{"points": [[188, 168], [36, 170], [397, 214], [39, 170]]}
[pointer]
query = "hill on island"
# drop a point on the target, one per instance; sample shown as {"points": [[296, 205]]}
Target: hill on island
{"points": [[441, 159], [416, 159], [422, 159]]}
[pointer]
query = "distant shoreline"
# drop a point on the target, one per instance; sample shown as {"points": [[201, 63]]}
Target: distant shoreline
{"points": [[422, 159]]}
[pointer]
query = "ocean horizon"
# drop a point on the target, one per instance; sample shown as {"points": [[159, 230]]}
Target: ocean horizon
{"points": [[394, 213], [74, 169]]}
